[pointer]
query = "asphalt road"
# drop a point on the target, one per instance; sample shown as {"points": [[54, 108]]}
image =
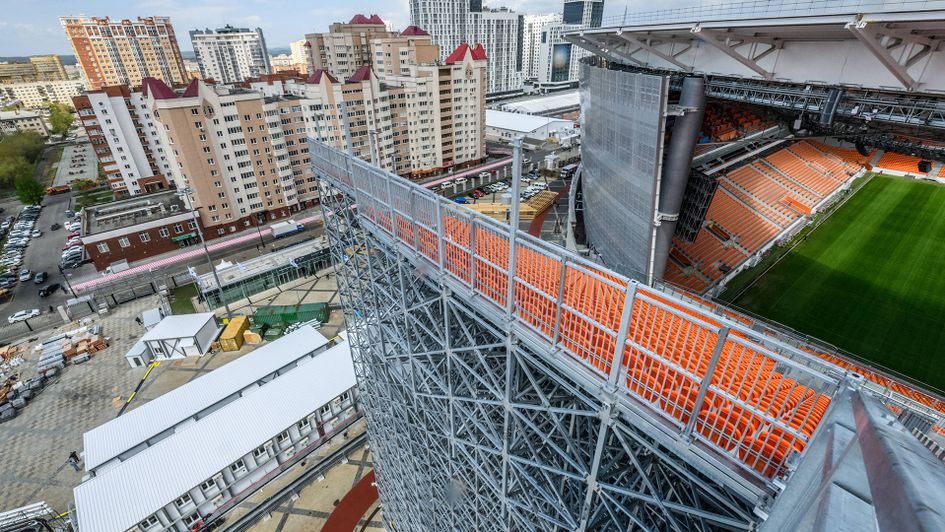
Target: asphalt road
{"points": [[42, 255]]}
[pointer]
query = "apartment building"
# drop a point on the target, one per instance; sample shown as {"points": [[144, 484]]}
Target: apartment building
{"points": [[453, 22], [534, 27], [345, 47], [18, 120], [124, 52], [39, 68], [124, 134], [500, 31], [408, 112], [299, 55], [33, 94], [230, 55], [184, 459]]}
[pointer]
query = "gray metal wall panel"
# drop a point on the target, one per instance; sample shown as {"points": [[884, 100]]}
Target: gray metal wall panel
{"points": [[621, 152]]}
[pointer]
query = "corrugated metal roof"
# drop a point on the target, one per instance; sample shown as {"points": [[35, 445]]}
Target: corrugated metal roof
{"points": [[523, 123], [121, 497], [178, 326], [561, 100], [109, 440]]}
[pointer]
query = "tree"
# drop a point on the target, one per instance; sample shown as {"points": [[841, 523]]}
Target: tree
{"points": [[26, 144], [29, 191], [13, 168], [61, 117]]}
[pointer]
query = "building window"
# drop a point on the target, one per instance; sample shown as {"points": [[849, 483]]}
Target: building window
{"points": [[102, 248], [183, 501], [191, 519], [283, 437], [303, 425], [345, 397], [238, 467], [164, 232], [325, 411], [260, 453], [123, 242], [150, 522], [207, 486], [191, 224], [145, 237], [178, 228]]}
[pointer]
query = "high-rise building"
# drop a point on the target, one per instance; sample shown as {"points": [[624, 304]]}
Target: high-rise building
{"points": [[408, 111], [125, 52], [229, 54], [124, 135], [452, 22], [298, 55], [534, 27], [587, 13], [39, 68], [558, 61], [345, 47]]}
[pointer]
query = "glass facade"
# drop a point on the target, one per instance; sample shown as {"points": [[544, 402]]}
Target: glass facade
{"points": [[623, 129], [254, 284]]}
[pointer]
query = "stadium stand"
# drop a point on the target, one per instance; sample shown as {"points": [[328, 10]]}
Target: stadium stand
{"points": [[725, 122], [899, 163], [754, 204]]}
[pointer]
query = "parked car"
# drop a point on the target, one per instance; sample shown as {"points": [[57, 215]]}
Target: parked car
{"points": [[23, 315], [26, 275], [49, 289], [40, 277], [55, 227], [36, 233]]}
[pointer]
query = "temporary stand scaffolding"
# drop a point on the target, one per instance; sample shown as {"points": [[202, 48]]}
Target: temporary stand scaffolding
{"points": [[510, 384]]}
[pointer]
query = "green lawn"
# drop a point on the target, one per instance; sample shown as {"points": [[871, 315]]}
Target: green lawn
{"points": [[180, 300], [870, 280]]}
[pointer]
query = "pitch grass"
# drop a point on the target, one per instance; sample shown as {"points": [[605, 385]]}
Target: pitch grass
{"points": [[870, 280]]}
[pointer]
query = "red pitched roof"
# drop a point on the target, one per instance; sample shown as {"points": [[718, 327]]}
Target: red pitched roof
{"points": [[361, 19], [307, 44], [157, 88], [191, 89], [413, 31], [458, 54], [316, 77], [479, 52], [362, 74]]}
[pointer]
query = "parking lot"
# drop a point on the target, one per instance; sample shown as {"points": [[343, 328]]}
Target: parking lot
{"points": [[77, 163], [43, 254]]}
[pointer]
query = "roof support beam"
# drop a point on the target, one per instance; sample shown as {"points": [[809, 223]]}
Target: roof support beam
{"points": [[728, 43], [647, 45], [881, 42], [600, 47]]}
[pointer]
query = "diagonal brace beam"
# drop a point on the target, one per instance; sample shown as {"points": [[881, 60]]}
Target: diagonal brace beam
{"points": [[648, 46], [727, 44]]}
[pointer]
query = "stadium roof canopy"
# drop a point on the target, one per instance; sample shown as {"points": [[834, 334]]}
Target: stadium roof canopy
{"points": [[866, 44]]}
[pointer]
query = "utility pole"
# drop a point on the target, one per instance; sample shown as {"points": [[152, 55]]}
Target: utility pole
{"points": [[185, 194]]}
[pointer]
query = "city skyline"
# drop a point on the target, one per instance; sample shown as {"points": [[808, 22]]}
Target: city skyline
{"points": [[34, 28]]}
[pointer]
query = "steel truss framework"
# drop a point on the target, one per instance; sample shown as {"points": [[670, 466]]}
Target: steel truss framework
{"points": [[858, 106], [472, 428]]}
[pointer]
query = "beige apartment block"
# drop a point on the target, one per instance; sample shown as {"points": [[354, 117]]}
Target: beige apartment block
{"points": [[124, 52], [39, 68]]}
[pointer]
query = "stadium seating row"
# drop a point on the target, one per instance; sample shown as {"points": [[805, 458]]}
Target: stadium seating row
{"points": [[756, 202]]}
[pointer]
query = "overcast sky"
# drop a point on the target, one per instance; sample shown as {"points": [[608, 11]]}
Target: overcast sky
{"points": [[32, 27]]}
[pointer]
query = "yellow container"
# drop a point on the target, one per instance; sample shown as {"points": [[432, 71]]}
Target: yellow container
{"points": [[232, 337]]}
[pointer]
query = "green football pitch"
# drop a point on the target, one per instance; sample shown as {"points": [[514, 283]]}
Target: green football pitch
{"points": [[870, 279]]}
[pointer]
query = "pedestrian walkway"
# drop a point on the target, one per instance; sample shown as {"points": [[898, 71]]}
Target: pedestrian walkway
{"points": [[182, 257]]}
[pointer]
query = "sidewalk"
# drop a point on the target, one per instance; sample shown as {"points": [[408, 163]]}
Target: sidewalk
{"points": [[90, 280]]}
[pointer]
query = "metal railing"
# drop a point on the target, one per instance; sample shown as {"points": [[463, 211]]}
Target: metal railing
{"points": [[714, 379], [768, 9]]}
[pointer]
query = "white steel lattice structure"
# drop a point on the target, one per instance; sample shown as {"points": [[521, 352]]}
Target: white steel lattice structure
{"points": [[571, 398]]}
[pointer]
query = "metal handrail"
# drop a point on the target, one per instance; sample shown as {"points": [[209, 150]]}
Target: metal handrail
{"points": [[590, 311]]}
